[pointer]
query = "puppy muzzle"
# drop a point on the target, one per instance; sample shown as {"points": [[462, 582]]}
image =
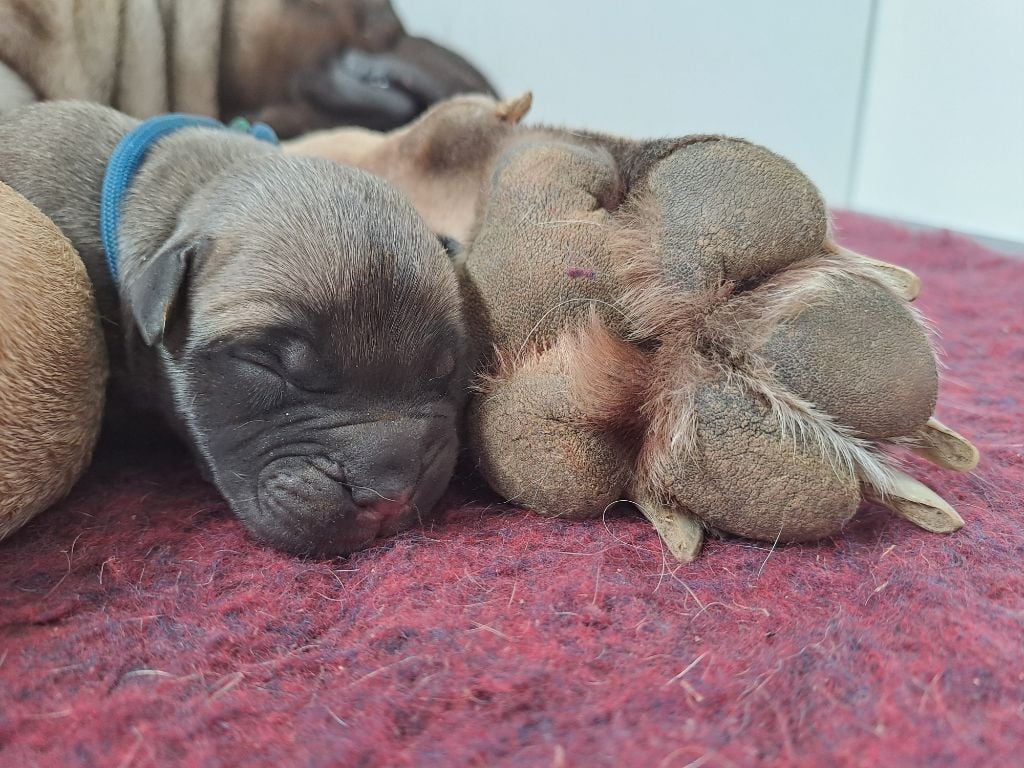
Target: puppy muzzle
{"points": [[314, 504]]}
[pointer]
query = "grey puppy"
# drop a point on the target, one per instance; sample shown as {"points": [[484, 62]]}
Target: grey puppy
{"points": [[292, 319]]}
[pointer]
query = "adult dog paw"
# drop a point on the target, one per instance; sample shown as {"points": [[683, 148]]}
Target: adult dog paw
{"points": [[671, 323]]}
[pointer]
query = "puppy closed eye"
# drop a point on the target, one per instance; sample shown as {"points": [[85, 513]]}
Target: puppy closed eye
{"points": [[261, 359], [263, 383], [292, 364]]}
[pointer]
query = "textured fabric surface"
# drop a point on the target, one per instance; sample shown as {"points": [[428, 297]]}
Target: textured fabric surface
{"points": [[140, 626]]}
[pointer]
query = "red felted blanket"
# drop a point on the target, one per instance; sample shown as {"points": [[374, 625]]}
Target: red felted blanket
{"points": [[139, 624]]}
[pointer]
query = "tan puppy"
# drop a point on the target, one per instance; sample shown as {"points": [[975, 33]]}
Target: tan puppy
{"points": [[442, 162], [53, 365], [281, 61]]}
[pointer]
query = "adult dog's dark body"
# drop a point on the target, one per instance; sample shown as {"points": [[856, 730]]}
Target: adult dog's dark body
{"points": [[291, 319], [296, 64]]}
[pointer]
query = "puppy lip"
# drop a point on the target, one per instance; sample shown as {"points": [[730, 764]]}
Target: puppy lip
{"points": [[281, 531], [388, 517]]}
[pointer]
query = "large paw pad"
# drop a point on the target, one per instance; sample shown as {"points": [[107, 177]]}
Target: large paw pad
{"points": [[756, 370]]}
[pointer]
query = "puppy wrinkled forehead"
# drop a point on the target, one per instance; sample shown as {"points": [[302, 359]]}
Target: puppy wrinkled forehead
{"points": [[294, 236], [280, 202]]}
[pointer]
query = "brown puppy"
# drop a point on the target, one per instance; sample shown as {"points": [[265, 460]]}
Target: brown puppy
{"points": [[53, 365], [296, 64], [443, 162], [293, 320]]}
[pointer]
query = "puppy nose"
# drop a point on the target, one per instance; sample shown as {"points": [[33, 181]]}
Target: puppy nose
{"points": [[388, 461], [384, 496]]}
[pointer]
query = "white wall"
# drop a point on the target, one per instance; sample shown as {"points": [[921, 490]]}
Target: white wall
{"points": [[891, 106], [785, 74], [943, 137]]}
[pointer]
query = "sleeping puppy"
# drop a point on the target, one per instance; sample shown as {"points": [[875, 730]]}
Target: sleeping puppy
{"points": [[293, 320], [296, 64]]}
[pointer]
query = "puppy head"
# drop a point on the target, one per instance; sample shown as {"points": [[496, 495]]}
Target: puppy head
{"points": [[309, 330], [303, 65], [268, 42], [380, 90]]}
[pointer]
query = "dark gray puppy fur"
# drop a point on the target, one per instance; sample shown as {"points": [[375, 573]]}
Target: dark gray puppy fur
{"points": [[292, 319]]}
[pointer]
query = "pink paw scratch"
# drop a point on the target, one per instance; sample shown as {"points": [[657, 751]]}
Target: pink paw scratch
{"points": [[577, 272]]}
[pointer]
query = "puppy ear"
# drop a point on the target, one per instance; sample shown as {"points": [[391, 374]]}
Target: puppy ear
{"points": [[156, 293], [514, 110]]}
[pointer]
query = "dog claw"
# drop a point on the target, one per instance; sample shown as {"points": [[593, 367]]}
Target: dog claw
{"points": [[902, 280], [681, 532], [944, 447], [919, 504]]}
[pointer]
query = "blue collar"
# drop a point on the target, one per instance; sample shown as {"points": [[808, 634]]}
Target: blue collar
{"points": [[128, 157]]}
